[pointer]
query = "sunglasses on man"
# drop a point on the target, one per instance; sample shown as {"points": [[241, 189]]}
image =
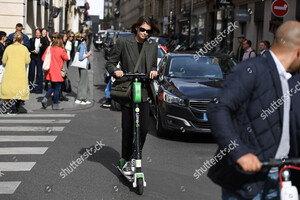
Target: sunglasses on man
{"points": [[144, 30]]}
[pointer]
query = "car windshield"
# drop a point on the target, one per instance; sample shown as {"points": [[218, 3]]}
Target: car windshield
{"points": [[124, 34], [162, 41], [203, 67], [160, 53]]}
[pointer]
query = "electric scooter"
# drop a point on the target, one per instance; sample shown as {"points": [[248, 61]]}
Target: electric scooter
{"points": [[287, 191], [138, 178]]}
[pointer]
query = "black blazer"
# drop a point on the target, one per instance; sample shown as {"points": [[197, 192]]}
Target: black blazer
{"points": [[238, 112], [126, 51], [42, 49]]}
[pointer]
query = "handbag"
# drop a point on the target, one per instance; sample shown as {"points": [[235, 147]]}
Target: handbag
{"points": [[64, 70], [77, 63], [46, 63], [66, 85], [121, 88]]}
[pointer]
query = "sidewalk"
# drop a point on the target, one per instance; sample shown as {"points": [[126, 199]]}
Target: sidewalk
{"points": [[34, 102]]}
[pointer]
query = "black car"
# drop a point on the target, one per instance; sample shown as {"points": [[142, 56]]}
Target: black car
{"points": [[184, 88], [111, 41]]}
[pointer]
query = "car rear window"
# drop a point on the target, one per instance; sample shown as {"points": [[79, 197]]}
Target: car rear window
{"points": [[203, 67]]}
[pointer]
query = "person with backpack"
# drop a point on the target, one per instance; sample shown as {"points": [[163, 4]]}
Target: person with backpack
{"points": [[249, 52]]}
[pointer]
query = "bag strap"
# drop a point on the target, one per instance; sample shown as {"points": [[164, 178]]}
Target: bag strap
{"points": [[140, 58]]}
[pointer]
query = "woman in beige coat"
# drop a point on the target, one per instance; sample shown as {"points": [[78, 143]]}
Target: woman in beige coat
{"points": [[14, 86]]}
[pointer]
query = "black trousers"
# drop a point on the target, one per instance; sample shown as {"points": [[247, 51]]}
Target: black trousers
{"points": [[128, 129], [15, 107], [36, 63]]}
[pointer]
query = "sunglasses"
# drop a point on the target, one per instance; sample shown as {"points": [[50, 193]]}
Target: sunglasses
{"points": [[71, 36], [144, 30]]}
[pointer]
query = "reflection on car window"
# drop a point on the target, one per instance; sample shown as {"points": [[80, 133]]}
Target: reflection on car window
{"points": [[160, 53], [204, 67]]}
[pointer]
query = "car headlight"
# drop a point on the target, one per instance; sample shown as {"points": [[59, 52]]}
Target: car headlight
{"points": [[170, 98]]}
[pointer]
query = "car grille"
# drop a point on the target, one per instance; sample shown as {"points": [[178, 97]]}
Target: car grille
{"points": [[205, 125], [199, 105]]}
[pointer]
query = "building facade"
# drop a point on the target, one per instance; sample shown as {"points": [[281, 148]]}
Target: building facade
{"points": [[208, 18], [35, 14]]}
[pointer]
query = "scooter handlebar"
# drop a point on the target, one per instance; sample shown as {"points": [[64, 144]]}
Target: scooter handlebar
{"points": [[280, 162]]}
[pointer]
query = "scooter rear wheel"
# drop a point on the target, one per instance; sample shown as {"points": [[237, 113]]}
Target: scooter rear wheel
{"points": [[140, 186]]}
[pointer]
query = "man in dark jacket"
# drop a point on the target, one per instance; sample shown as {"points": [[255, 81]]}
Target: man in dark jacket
{"points": [[19, 28], [38, 46], [2, 44], [257, 108], [127, 51]]}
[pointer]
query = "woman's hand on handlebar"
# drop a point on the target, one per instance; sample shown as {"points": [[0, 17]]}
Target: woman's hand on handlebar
{"points": [[249, 163], [153, 74], [119, 73]]}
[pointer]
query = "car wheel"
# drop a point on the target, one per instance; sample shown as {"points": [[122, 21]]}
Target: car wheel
{"points": [[160, 131]]}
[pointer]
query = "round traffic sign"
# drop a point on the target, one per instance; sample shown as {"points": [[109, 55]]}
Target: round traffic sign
{"points": [[280, 8]]}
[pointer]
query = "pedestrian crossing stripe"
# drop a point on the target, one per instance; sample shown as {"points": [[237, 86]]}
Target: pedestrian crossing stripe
{"points": [[16, 166], [37, 115], [16, 121], [22, 150], [31, 128], [12, 121], [22, 138], [9, 187]]}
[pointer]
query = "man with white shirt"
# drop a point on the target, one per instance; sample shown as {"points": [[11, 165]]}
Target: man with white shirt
{"points": [[258, 108], [262, 46]]}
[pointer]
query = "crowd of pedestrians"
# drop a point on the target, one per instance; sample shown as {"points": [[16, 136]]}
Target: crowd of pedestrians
{"points": [[21, 67], [245, 51]]}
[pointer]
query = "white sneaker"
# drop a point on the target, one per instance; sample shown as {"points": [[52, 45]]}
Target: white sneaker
{"points": [[82, 103], [78, 101], [88, 102], [127, 169]]}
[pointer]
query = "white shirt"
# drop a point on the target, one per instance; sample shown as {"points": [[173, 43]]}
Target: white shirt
{"points": [[68, 48], [37, 43], [280, 68]]}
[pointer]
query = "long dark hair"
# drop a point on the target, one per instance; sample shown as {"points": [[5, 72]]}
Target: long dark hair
{"points": [[140, 21]]}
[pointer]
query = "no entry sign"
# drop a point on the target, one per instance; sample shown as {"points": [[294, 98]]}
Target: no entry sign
{"points": [[280, 8]]}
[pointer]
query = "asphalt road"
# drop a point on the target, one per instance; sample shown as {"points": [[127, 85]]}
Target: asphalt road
{"points": [[91, 142]]}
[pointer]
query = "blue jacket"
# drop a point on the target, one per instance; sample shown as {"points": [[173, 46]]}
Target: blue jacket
{"points": [[83, 51], [238, 113], [25, 39]]}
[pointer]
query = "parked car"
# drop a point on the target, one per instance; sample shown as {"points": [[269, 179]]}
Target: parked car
{"points": [[184, 88], [160, 54], [108, 43], [112, 39], [160, 40]]}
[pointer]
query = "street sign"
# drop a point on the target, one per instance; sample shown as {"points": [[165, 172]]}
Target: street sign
{"points": [[280, 8]]}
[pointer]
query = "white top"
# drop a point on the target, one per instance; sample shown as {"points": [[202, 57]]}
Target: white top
{"points": [[37, 43], [68, 48]]}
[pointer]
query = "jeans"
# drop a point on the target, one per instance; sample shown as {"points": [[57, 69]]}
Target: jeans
{"points": [[55, 87], [36, 61], [128, 129], [270, 190], [108, 90]]}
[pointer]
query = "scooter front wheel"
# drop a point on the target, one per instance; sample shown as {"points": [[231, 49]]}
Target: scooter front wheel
{"points": [[140, 186]]}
